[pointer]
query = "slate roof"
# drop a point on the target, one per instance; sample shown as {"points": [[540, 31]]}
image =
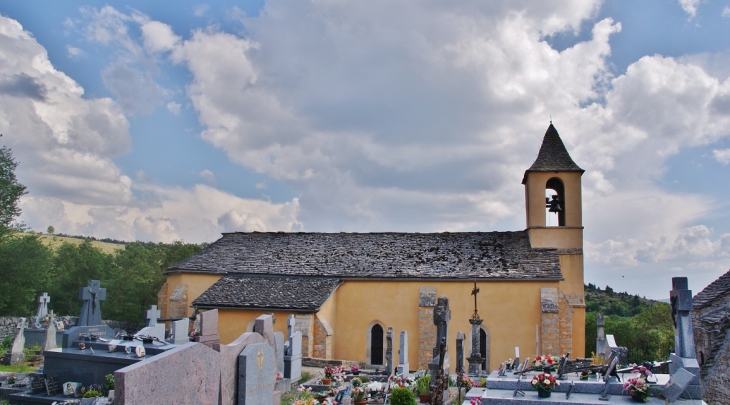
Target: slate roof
{"points": [[473, 255], [553, 156], [294, 294], [716, 289]]}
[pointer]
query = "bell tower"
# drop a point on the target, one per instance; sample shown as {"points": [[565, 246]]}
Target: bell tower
{"points": [[553, 196]]}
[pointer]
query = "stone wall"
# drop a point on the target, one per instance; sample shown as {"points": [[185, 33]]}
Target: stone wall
{"points": [[322, 339], [8, 326], [305, 325], [712, 346], [178, 305]]}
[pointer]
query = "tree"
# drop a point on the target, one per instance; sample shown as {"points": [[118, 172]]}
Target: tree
{"points": [[51, 229], [10, 192], [26, 266]]}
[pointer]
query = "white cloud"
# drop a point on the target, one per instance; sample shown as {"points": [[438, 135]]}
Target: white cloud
{"points": [[136, 91], [173, 107], [74, 52], [726, 11], [722, 155], [158, 37], [200, 10], [208, 176], [690, 6]]}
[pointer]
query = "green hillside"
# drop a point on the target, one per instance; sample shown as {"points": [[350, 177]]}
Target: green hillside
{"points": [[55, 241]]}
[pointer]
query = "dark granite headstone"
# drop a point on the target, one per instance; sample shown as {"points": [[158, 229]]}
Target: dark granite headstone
{"points": [[256, 374], [681, 301], [677, 384], [52, 386], [92, 295], [37, 383], [87, 334]]}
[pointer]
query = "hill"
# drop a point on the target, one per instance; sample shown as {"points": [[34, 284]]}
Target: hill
{"points": [[55, 241], [609, 302]]}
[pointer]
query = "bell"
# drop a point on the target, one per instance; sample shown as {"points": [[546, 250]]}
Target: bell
{"points": [[554, 204]]}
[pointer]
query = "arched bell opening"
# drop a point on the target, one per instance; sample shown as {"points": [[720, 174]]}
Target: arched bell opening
{"points": [[554, 202]]}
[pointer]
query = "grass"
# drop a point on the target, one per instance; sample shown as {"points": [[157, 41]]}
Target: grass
{"points": [[306, 376], [20, 368], [55, 242]]}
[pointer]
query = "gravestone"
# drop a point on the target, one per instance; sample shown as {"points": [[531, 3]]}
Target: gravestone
{"points": [[389, 351], [403, 366], [209, 329], [279, 351], [16, 355], [42, 311], [441, 318], [37, 383], [50, 341], [92, 295], [256, 374], [180, 331], [681, 301], [188, 375], [459, 353], [53, 387], [601, 336], [293, 358], [264, 325], [152, 315], [229, 365], [156, 331]]}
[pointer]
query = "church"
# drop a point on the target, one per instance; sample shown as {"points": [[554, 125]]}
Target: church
{"points": [[346, 289]]}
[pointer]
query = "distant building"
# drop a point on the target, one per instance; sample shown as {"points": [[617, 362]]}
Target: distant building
{"points": [[346, 289], [711, 320]]}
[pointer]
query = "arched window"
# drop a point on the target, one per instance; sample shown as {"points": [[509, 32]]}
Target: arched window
{"points": [[375, 344], [554, 202]]}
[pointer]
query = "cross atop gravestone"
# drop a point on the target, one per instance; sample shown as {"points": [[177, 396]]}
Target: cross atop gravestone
{"points": [[152, 315], [681, 301], [290, 322], [441, 318], [92, 294]]}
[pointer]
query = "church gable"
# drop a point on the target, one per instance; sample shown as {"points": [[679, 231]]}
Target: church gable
{"points": [[473, 255], [272, 293]]}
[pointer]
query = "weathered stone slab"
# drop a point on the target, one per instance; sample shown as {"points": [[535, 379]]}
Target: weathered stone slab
{"points": [[279, 351], [427, 296], [180, 331], [264, 326], [209, 323], [229, 365], [256, 375], [157, 331], [50, 341], [187, 375], [403, 365]]}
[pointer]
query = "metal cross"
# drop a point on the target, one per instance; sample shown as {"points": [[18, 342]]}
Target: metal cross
{"points": [[474, 292]]}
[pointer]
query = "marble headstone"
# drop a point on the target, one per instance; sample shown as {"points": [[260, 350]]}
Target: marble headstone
{"points": [[209, 329], [180, 331], [152, 315], [16, 351], [403, 366], [264, 325], [293, 361], [188, 375], [50, 341], [256, 374], [229, 365], [279, 351], [42, 311]]}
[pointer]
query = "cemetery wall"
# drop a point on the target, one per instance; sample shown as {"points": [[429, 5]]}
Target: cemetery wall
{"points": [[8, 326]]}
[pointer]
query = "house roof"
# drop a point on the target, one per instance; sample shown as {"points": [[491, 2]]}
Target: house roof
{"points": [[716, 289], [553, 156], [473, 255], [294, 294]]}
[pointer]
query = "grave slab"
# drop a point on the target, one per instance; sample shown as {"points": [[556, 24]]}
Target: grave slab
{"points": [[188, 375], [279, 351], [256, 375], [229, 365]]}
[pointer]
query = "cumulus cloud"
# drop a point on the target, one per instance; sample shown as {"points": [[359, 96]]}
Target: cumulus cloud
{"points": [[158, 37], [73, 52], [726, 11], [208, 176], [173, 107], [721, 155], [689, 6]]}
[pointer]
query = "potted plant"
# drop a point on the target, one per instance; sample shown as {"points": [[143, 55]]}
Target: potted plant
{"points": [[402, 396], [637, 386], [329, 371], [423, 387], [544, 384], [355, 370]]}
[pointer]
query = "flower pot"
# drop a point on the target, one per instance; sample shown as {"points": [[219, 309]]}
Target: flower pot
{"points": [[424, 398], [541, 393], [363, 402], [640, 396], [326, 381]]}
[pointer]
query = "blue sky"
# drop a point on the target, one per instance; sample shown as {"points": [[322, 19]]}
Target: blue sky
{"points": [[178, 120]]}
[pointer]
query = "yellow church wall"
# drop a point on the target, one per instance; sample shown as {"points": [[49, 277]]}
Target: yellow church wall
{"points": [[233, 322], [556, 237], [510, 311], [573, 288]]}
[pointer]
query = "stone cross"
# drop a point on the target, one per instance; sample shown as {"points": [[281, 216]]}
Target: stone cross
{"points": [[290, 322], [460, 353], [600, 336], [681, 301], [475, 357], [152, 315], [92, 294], [43, 301], [441, 318]]}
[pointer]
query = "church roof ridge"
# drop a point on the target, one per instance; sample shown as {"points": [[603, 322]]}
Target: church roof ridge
{"points": [[454, 255], [717, 288], [553, 156]]}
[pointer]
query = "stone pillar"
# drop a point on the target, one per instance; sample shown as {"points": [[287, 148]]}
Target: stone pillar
{"points": [[389, 351], [426, 328], [550, 321], [475, 358]]}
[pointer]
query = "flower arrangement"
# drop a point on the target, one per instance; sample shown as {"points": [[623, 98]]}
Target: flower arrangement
{"points": [[12, 379], [637, 386], [303, 396], [544, 381], [467, 382], [354, 369], [402, 382], [330, 370], [545, 360], [475, 401], [279, 375], [584, 375]]}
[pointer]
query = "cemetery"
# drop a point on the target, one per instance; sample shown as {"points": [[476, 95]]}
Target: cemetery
{"points": [[95, 364]]}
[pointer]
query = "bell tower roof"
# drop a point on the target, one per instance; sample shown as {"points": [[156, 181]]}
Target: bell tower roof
{"points": [[553, 157]]}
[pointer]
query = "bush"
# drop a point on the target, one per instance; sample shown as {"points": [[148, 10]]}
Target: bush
{"points": [[402, 396], [423, 384], [92, 394]]}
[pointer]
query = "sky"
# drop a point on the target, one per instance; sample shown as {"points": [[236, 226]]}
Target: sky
{"points": [[163, 121]]}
